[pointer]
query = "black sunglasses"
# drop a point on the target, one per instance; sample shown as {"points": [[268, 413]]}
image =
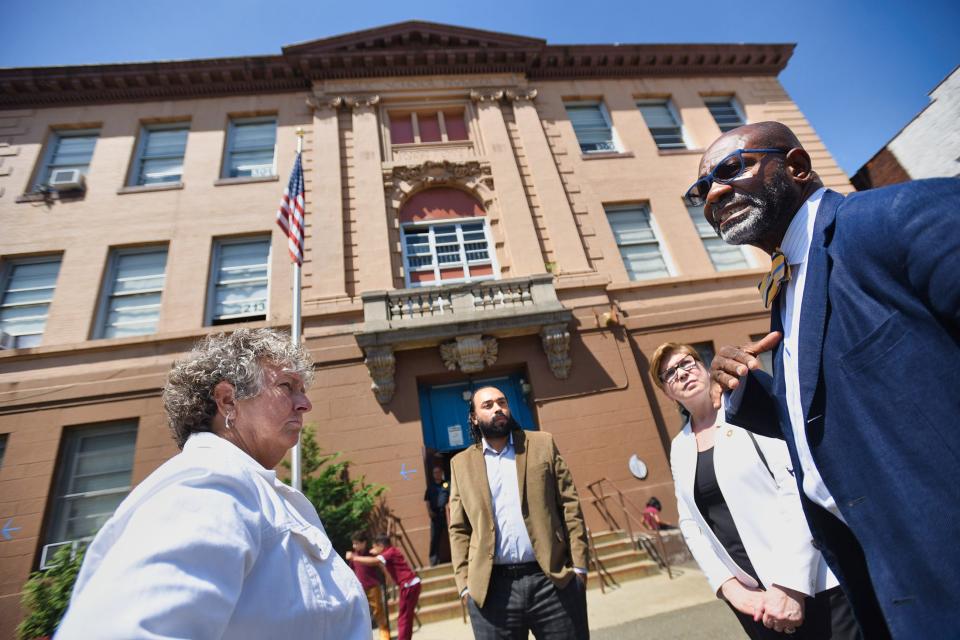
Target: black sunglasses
{"points": [[726, 171]]}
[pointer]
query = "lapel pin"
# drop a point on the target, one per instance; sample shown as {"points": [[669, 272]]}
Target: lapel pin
{"points": [[729, 432]]}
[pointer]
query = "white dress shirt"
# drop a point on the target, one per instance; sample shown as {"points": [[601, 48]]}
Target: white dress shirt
{"points": [[796, 248], [212, 545], [513, 541]]}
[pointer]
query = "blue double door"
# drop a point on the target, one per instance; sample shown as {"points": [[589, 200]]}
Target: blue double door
{"points": [[445, 408]]}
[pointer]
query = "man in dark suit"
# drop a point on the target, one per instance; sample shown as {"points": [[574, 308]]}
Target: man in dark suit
{"points": [[866, 332], [517, 535]]}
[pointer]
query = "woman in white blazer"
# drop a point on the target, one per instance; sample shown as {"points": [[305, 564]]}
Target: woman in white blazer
{"points": [[741, 516]]}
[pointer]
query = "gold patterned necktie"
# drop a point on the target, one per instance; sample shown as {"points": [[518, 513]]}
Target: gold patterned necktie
{"points": [[770, 286]]}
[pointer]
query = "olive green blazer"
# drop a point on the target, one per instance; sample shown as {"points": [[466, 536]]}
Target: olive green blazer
{"points": [[550, 506]]}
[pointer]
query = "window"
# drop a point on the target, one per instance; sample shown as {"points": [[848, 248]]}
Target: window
{"points": [[93, 477], [726, 112], [3, 447], [765, 358], [633, 230], [705, 349], [239, 280], [664, 123], [724, 256], [131, 304], [160, 154], [251, 148], [449, 252], [27, 291], [591, 123], [67, 150], [420, 127]]}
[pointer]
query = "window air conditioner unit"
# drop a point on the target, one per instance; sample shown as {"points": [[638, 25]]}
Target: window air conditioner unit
{"points": [[46, 556], [66, 180], [7, 341]]}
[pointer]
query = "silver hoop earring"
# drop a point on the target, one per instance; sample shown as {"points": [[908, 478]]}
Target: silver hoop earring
{"points": [[227, 422]]}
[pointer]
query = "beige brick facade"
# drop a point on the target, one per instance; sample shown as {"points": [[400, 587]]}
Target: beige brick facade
{"points": [[545, 207]]}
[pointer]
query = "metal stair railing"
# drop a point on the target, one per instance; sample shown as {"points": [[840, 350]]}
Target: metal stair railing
{"points": [[602, 572]]}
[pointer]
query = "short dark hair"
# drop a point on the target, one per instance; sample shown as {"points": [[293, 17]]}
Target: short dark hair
{"points": [[383, 539], [653, 502], [360, 536]]}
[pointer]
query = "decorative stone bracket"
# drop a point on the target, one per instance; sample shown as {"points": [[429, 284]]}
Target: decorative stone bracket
{"points": [[470, 353], [382, 365], [555, 339]]}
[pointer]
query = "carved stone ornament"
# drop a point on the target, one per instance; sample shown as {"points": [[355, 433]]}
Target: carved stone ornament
{"points": [[555, 339], [362, 102], [382, 366], [317, 102], [524, 94], [469, 353], [486, 95], [441, 172]]}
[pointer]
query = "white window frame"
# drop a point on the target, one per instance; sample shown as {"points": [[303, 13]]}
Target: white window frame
{"points": [[654, 228], [145, 129], [110, 282], [675, 113], [212, 281], [6, 272], [231, 137], [711, 235], [46, 163], [734, 102], [67, 461], [614, 138], [436, 282]]}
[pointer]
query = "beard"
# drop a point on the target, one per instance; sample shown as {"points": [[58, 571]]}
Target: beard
{"points": [[764, 213], [494, 429]]}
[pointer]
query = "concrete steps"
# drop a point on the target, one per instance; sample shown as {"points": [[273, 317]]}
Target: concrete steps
{"points": [[439, 599]]}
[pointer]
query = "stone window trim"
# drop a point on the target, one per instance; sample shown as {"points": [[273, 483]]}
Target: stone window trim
{"points": [[147, 188]]}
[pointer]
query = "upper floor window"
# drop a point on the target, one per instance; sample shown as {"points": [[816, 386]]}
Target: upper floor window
{"points": [[3, 447], [27, 291], [726, 112], [251, 148], [639, 246], [593, 127], [132, 292], [160, 151], [706, 352], [426, 126], [445, 238], [664, 123], [725, 257], [238, 283], [93, 476], [67, 149]]}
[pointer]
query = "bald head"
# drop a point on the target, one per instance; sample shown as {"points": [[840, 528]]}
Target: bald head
{"points": [[766, 135]]}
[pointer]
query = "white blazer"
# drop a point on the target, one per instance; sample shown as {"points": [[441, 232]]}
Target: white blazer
{"points": [[765, 509]]}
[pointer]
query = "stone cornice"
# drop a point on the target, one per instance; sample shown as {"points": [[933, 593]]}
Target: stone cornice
{"points": [[405, 49]]}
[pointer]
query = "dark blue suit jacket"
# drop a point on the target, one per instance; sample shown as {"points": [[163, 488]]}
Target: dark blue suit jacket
{"points": [[879, 353]]}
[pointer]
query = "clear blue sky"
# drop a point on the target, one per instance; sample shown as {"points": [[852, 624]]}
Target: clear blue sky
{"points": [[862, 68]]}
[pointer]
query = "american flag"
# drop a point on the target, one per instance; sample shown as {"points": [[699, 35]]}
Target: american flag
{"points": [[290, 214]]}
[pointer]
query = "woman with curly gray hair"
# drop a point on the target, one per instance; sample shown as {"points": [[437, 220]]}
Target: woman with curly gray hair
{"points": [[213, 544]]}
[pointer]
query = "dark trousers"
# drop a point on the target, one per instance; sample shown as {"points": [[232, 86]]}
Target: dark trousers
{"points": [[438, 529], [406, 610], [828, 616], [527, 600]]}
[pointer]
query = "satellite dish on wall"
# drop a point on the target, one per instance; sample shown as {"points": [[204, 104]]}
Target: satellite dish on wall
{"points": [[638, 467]]}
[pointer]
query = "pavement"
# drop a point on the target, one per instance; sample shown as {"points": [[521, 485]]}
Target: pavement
{"points": [[683, 608]]}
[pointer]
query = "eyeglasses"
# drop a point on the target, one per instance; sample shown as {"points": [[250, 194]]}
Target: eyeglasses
{"points": [[726, 171], [670, 375]]}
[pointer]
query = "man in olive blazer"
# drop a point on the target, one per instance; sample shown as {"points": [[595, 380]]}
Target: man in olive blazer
{"points": [[506, 528]]}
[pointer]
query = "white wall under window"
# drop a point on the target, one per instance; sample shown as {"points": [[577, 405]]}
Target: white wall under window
{"points": [[67, 149], [160, 151], [27, 289], [637, 240], [239, 280], [251, 148], [593, 126], [725, 257], [130, 304], [444, 252], [93, 477]]}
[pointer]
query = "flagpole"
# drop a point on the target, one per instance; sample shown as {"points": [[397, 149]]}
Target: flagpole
{"points": [[295, 329]]}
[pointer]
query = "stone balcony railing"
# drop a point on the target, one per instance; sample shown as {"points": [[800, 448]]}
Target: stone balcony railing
{"points": [[465, 321]]}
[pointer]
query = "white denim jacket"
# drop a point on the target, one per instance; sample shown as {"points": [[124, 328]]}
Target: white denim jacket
{"points": [[212, 545]]}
